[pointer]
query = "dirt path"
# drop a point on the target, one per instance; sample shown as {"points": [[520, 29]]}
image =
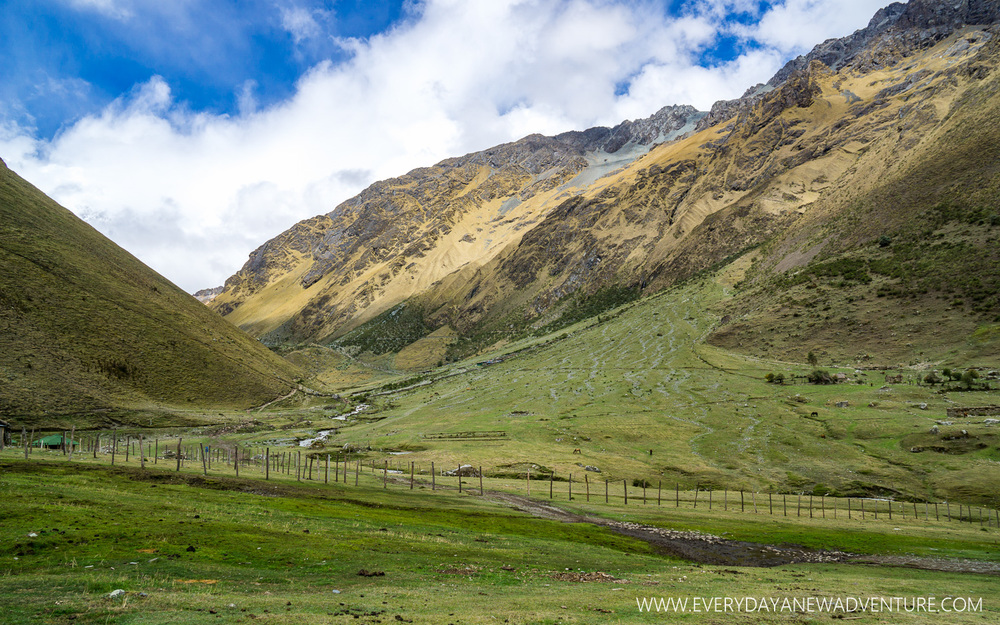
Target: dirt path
{"points": [[709, 549]]}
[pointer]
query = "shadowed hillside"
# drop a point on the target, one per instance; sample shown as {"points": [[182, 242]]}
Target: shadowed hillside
{"points": [[86, 327]]}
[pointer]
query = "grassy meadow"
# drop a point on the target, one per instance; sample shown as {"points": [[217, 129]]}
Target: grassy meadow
{"points": [[189, 549], [640, 396], [634, 393]]}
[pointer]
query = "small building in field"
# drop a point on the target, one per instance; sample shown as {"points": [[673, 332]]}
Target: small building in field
{"points": [[53, 441], [4, 434]]}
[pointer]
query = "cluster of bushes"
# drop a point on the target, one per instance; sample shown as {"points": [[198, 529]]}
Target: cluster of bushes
{"points": [[967, 377]]}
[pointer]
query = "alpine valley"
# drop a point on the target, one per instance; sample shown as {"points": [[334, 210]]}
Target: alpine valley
{"points": [[657, 357]]}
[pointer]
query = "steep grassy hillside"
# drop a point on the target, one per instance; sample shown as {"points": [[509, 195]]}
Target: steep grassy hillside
{"points": [[901, 265], [85, 327]]}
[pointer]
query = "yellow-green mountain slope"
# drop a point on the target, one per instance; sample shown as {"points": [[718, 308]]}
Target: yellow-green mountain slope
{"points": [[860, 146], [85, 328]]}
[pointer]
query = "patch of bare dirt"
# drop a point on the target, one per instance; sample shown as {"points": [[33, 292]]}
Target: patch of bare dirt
{"points": [[708, 549]]}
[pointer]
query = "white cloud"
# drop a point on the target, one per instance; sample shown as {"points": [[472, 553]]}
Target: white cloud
{"points": [[192, 194], [300, 22], [118, 9], [798, 25]]}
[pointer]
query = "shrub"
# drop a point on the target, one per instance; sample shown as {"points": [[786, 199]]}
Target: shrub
{"points": [[820, 376]]}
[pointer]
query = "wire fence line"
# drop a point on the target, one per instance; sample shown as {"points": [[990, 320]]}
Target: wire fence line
{"points": [[303, 465]]}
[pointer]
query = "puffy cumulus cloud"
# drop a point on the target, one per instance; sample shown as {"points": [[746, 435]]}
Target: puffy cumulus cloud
{"points": [[798, 25], [192, 193]]}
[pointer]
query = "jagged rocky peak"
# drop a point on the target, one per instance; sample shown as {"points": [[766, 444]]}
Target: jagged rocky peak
{"points": [[668, 123], [894, 32], [207, 295]]}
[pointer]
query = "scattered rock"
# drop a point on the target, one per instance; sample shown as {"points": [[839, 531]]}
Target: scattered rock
{"points": [[114, 594], [590, 468], [587, 577], [367, 573], [466, 470]]}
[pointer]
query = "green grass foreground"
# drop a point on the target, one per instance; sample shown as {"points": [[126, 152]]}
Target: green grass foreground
{"points": [[190, 549]]}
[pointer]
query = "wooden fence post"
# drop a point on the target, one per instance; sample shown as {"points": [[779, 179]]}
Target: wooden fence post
{"points": [[659, 487], [586, 482], [742, 506], [480, 480], [411, 474], [142, 454], [432, 477], [178, 453], [204, 461], [72, 435], [697, 487], [527, 477], [605, 490], [459, 474], [114, 446], [552, 477], [625, 489], [570, 487]]}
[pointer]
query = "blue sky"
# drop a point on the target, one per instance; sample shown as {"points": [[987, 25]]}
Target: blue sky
{"points": [[67, 59], [190, 131]]}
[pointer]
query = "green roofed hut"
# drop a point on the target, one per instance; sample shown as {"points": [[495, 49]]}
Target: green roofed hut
{"points": [[53, 441]]}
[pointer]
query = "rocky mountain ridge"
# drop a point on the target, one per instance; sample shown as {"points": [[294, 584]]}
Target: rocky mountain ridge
{"points": [[489, 242]]}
